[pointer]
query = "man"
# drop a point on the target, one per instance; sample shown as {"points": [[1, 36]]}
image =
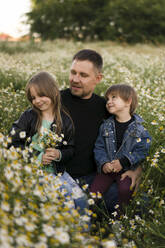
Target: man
{"points": [[88, 111]]}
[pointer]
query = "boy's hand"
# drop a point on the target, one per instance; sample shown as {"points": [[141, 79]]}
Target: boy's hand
{"points": [[113, 166], [116, 166], [107, 167]]}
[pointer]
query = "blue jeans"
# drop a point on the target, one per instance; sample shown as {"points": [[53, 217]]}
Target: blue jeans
{"points": [[76, 193], [71, 190], [110, 197]]}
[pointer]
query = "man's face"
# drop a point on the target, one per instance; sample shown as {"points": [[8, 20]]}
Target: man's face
{"points": [[83, 78]]}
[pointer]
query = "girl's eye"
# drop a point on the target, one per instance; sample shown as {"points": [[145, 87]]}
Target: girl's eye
{"points": [[113, 97]]}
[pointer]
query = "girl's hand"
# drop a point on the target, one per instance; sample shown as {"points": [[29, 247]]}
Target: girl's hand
{"points": [[50, 155]]}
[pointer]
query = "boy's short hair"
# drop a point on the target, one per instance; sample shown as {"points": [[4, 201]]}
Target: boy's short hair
{"points": [[126, 92], [90, 55]]}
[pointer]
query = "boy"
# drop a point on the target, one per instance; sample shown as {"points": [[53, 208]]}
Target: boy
{"points": [[122, 142]]}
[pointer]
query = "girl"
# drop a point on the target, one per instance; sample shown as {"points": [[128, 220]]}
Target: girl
{"points": [[122, 143], [47, 117], [46, 113]]}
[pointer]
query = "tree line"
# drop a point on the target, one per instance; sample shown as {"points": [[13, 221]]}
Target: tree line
{"points": [[117, 20]]}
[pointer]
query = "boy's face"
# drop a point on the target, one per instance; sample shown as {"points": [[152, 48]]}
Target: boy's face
{"points": [[83, 78], [116, 105]]}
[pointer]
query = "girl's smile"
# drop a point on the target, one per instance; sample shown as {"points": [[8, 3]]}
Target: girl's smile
{"points": [[43, 103]]}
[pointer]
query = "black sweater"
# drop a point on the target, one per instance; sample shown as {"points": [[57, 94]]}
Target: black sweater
{"points": [[87, 115]]}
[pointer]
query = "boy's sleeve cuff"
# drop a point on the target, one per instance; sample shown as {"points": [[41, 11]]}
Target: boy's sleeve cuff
{"points": [[125, 163]]}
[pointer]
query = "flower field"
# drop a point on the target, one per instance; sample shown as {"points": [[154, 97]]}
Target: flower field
{"points": [[35, 216]]}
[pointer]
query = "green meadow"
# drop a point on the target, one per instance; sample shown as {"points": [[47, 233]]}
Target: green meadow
{"points": [[35, 217]]}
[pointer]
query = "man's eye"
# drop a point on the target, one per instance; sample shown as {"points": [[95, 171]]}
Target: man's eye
{"points": [[84, 75], [73, 72]]}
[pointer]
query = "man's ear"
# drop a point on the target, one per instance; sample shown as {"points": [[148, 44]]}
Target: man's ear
{"points": [[99, 77]]}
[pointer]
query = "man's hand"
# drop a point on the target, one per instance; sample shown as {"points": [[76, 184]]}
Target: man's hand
{"points": [[50, 155], [135, 177]]}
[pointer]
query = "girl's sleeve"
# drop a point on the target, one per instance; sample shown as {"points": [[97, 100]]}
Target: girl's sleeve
{"points": [[67, 147], [18, 131]]}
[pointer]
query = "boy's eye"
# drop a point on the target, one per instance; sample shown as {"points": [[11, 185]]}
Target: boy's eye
{"points": [[113, 97]]}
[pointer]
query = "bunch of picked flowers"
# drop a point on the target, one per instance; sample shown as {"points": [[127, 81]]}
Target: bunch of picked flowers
{"points": [[49, 138]]}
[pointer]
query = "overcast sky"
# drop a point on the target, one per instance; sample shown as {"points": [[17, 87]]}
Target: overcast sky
{"points": [[11, 12]]}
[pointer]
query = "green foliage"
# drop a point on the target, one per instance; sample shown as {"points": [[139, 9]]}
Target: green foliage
{"points": [[120, 20], [137, 21]]}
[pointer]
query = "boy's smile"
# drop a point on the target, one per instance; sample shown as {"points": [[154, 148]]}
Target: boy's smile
{"points": [[117, 106]]}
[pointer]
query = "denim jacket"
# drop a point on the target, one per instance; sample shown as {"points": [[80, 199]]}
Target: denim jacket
{"points": [[135, 144]]}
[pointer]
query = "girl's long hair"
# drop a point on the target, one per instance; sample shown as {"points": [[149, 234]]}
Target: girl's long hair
{"points": [[45, 85]]}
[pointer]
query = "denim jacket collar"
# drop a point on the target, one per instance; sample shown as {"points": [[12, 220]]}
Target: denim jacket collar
{"points": [[134, 127], [137, 118]]}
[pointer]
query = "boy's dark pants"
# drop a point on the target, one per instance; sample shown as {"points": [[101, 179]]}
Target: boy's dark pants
{"points": [[102, 182]]}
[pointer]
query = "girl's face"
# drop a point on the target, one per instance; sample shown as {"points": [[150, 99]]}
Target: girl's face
{"points": [[43, 103]]}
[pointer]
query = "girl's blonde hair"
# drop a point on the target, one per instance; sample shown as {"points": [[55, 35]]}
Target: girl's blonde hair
{"points": [[126, 92], [45, 85]]}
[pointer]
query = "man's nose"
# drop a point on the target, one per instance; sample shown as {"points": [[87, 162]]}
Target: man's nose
{"points": [[76, 78]]}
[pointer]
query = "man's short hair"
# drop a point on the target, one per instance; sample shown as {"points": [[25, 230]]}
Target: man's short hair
{"points": [[90, 55]]}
